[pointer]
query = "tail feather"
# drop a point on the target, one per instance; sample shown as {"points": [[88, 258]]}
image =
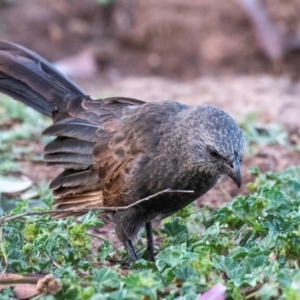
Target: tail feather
{"points": [[32, 80]]}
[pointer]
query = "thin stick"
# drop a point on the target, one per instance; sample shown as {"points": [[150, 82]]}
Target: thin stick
{"points": [[85, 210], [103, 239], [19, 281], [27, 280], [229, 198]]}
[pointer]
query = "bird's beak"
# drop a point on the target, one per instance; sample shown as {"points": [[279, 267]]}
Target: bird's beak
{"points": [[235, 172]]}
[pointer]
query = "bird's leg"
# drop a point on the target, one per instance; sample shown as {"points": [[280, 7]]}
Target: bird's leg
{"points": [[130, 250], [150, 246]]}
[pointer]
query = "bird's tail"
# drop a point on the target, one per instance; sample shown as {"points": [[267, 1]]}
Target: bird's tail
{"points": [[30, 79]]}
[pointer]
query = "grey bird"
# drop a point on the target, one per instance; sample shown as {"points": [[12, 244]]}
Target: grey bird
{"points": [[118, 150]]}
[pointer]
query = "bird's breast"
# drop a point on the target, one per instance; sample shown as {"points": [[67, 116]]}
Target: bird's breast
{"points": [[168, 203]]}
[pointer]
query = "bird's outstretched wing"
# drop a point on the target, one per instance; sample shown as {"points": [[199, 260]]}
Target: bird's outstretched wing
{"points": [[94, 172]]}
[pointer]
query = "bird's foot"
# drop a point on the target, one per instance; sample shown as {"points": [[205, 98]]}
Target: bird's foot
{"points": [[130, 250], [150, 246]]}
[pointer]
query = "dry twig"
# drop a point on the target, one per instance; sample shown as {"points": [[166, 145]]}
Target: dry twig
{"points": [[85, 210]]}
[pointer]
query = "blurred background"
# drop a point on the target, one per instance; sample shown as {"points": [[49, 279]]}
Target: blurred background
{"points": [[240, 55], [173, 38]]}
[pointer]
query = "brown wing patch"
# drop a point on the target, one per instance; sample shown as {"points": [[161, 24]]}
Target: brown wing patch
{"points": [[111, 173], [111, 157], [114, 181], [95, 169], [91, 199]]}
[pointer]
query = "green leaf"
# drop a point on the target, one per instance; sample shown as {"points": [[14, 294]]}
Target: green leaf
{"points": [[105, 278], [267, 291], [184, 273], [143, 264], [104, 250], [173, 228]]}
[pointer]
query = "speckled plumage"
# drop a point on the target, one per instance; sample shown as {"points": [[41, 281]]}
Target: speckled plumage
{"points": [[174, 153], [119, 150]]}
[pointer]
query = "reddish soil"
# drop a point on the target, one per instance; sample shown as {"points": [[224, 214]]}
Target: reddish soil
{"points": [[174, 38]]}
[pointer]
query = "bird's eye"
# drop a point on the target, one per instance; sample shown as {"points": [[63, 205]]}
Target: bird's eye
{"points": [[214, 153]]}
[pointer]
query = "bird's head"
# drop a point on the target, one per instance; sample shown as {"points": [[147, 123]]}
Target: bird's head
{"points": [[217, 143]]}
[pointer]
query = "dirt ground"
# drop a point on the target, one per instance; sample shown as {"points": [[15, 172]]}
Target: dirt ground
{"points": [[189, 51], [175, 38]]}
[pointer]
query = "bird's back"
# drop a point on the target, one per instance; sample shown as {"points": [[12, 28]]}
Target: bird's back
{"points": [[109, 149]]}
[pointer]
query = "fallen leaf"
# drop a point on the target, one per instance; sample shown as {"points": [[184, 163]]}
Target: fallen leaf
{"points": [[217, 292], [12, 185]]}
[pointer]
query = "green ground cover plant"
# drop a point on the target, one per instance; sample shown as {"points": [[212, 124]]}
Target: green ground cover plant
{"points": [[251, 245]]}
